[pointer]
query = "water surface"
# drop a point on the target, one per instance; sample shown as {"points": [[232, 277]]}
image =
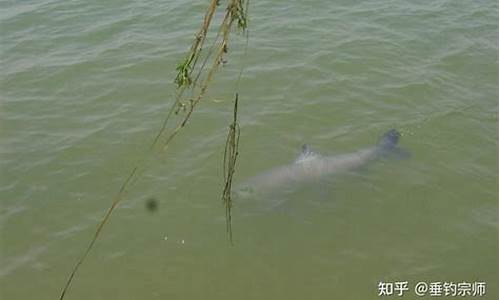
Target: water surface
{"points": [[85, 86]]}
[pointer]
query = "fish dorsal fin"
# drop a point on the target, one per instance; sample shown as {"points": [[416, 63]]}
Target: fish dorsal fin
{"points": [[305, 154]]}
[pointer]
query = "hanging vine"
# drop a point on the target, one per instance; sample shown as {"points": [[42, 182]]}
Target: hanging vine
{"points": [[188, 75]]}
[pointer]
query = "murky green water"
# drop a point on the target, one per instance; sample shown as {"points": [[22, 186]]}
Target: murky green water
{"points": [[84, 88]]}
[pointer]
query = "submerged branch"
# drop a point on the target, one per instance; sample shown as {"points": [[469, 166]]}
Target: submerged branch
{"points": [[230, 156]]}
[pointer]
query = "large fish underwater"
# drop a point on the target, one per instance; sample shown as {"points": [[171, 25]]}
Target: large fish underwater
{"points": [[310, 166]]}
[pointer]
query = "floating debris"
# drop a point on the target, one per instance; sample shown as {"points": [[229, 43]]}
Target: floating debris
{"points": [[152, 205]]}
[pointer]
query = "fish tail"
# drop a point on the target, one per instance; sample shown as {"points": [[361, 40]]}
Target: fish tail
{"points": [[389, 140]]}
